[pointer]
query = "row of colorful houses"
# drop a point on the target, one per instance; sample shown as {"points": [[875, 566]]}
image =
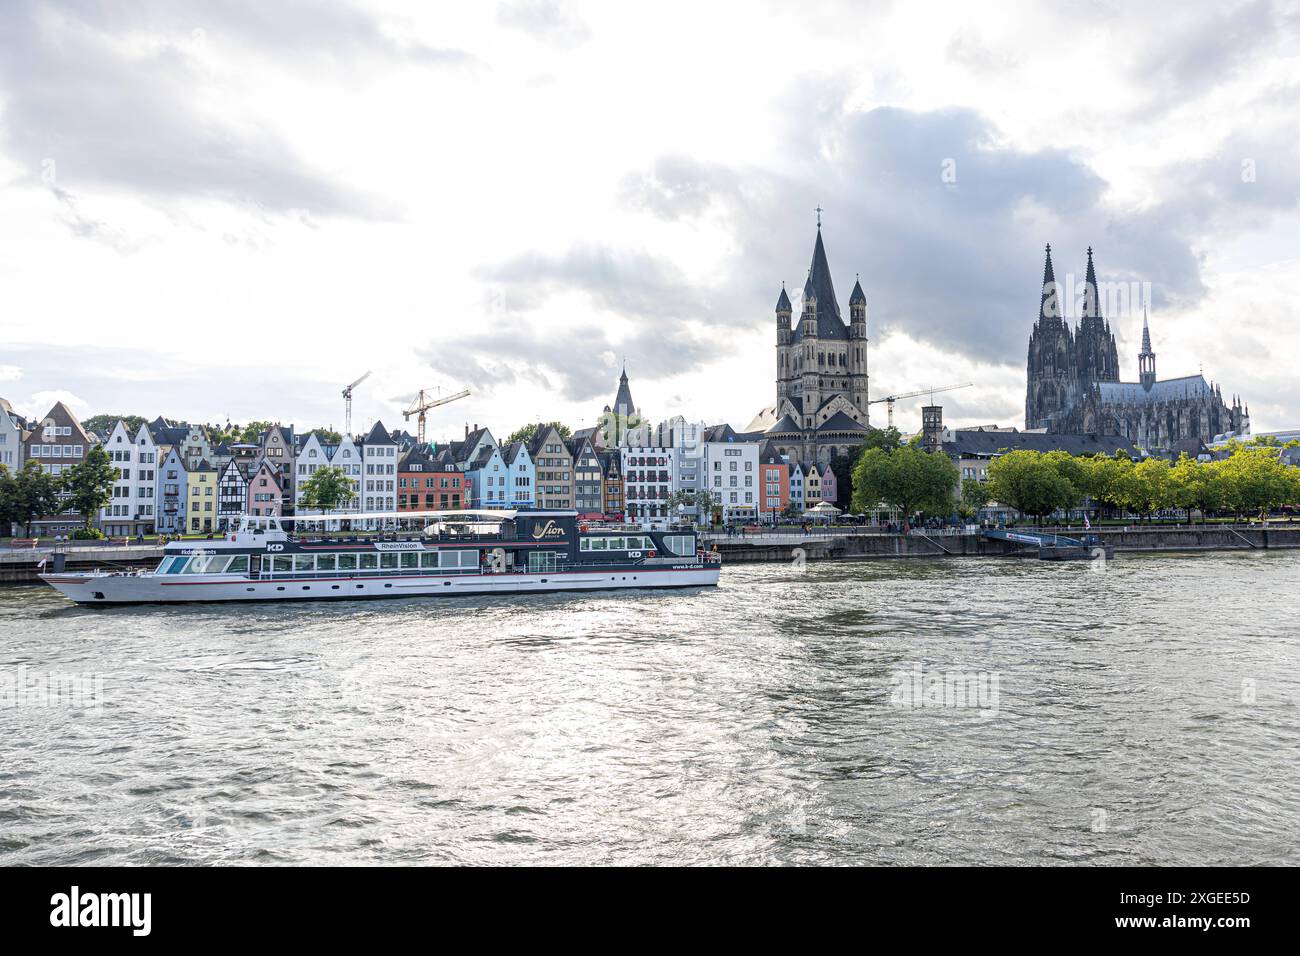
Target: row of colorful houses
{"points": [[174, 478]]}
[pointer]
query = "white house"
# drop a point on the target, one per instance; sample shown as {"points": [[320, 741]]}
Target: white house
{"points": [[649, 475], [11, 438], [731, 476], [131, 510], [379, 453]]}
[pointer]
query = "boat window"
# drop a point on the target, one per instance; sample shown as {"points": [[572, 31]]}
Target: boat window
{"points": [[238, 564], [281, 563], [410, 559], [303, 562], [368, 562], [617, 544], [217, 564], [326, 562], [388, 560], [171, 565], [541, 561], [198, 564], [429, 559], [598, 544], [680, 544], [459, 559], [347, 562]]}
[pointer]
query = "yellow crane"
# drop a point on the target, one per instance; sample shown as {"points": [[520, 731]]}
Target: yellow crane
{"points": [[889, 400], [423, 401]]}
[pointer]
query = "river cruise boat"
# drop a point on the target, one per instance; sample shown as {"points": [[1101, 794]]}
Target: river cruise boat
{"points": [[450, 553]]}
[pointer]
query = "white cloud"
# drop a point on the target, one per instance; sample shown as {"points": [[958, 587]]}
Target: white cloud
{"points": [[244, 219]]}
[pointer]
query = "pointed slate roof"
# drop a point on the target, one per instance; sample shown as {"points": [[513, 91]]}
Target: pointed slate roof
{"points": [[857, 295], [783, 303], [820, 289], [1092, 300], [623, 403], [1049, 308], [378, 436], [1146, 334]]}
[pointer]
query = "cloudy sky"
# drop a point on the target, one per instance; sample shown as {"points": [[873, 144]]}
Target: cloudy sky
{"points": [[232, 209]]}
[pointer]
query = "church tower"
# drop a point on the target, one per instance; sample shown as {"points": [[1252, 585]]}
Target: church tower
{"points": [[1146, 358], [784, 352], [1052, 386], [858, 349], [1097, 355], [810, 380]]}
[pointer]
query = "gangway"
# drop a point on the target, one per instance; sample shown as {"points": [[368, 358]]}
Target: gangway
{"points": [[1056, 547]]}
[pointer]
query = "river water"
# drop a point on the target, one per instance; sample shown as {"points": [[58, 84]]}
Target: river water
{"points": [[976, 711]]}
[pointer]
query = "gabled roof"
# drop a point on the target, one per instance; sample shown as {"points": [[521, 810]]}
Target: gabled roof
{"points": [[841, 422], [969, 444], [378, 435], [516, 449], [786, 425], [723, 432], [1169, 390]]}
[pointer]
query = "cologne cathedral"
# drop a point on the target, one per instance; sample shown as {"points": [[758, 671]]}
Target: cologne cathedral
{"points": [[1074, 387]]}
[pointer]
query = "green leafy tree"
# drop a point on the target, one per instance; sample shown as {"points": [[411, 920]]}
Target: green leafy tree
{"points": [[35, 494], [1153, 488], [103, 424], [327, 436], [1255, 480], [89, 485], [702, 501], [8, 501], [974, 496], [529, 432], [908, 478], [326, 488], [1031, 483], [1196, 485], [252, 431], [1110, 482]]}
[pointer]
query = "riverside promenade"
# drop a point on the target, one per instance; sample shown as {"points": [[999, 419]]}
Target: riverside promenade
{"points": [[20, 564], [788, 544]]}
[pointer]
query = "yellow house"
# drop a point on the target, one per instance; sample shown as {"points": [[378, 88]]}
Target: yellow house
{"points": [[201, 513]]}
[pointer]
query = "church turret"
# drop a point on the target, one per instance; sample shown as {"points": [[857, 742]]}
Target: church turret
{"points": [[784, 334], [1146, 358], [858, 348], [1098, 357], [809, 389]]}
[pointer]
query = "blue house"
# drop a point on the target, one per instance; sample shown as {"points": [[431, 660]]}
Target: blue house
{"points": [[522, 476]]}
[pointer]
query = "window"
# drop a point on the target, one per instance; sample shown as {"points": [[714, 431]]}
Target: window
{"points": [[347, 562]]}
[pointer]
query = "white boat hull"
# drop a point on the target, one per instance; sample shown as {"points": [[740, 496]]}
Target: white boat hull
{"points": [[147, 588]]}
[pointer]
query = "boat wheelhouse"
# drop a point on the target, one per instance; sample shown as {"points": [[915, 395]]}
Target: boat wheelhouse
{"points": [[437, 553]]}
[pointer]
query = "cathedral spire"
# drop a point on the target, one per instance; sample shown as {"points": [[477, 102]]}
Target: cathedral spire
{"points": [[1146, 358], [1050, 306], [1091, 294], [783, 303]]}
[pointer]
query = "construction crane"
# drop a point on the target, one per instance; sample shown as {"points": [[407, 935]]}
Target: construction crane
{"points": [[421, 404], [347, 404], [890, 399]]}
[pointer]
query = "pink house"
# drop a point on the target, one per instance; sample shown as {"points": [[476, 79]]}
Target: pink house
{"points": [[830, 490], [264, 491]]}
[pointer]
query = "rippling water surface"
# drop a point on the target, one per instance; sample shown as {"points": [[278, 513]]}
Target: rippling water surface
{"points": [[1147, 714]]}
